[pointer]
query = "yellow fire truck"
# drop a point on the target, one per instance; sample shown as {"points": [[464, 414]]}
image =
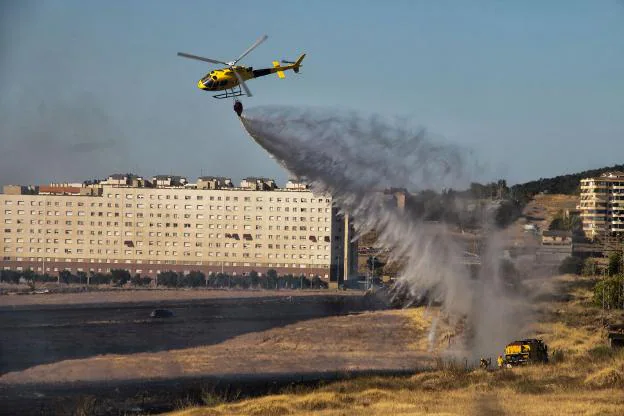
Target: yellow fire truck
{"points": [[526, 351]]}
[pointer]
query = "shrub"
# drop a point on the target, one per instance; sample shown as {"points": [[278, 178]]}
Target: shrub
{"points": [[607, 377], [609, 292], [557, 356], [528, 386], [169, 279], [120, 277], [601, 352], [10, 276], [615, 263], [590, 267], [100, 279], [137, 280]]}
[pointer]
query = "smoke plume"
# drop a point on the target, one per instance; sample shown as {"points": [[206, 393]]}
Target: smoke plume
{"points": [[354, 158]]}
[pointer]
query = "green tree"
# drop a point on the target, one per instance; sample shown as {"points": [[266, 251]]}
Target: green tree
{"points": [[100, 278], [29, 275], [271, 280], [590, 267], [168, 279], [254, 278], [82, 278], [317, 283], [609, 292], [196, 278], [271, 274], [212, 279], [65, 276], [137, 280], [506, 213], [615, 263], [120, 277], [562, 222], [221, 280]]}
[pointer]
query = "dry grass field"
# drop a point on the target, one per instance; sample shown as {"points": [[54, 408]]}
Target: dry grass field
{"points": [[391, 339], [585, 377]]}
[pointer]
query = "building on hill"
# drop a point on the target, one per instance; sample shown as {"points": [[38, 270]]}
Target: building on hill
{"points": [[602, 205], [556, 246], [148, 227], [556, 238]]}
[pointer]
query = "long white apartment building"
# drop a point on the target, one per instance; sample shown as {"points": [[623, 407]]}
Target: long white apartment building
{"points": [[602, 205], [166, 223]]}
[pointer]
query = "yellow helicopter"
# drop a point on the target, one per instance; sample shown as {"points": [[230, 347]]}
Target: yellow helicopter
{"points": [[232, 77]]}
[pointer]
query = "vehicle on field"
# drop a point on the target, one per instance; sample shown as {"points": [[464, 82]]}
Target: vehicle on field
{"points": [[526, 351], [161, 313]]}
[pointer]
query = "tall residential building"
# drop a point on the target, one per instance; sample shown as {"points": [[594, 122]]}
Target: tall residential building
{"points": [[602, 205], [166, 223]]}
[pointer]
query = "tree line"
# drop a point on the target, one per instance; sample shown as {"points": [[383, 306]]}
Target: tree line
{"points": [[563, 184], [170, 279], [434, 206], [466, 208]]}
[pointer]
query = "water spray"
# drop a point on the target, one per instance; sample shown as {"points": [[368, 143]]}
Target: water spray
{"points": [[354, 158]]}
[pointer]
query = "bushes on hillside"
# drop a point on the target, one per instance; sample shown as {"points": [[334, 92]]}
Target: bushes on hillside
{"points": [[590, 267], [615, 264], [609, 292]]}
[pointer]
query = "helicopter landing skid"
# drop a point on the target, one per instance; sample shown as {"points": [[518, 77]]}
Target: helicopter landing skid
{"points": [[231, 93]]}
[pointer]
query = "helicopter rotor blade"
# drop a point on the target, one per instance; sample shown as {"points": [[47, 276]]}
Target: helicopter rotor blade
{"points": [[241, 82], [251, 48], [200, 58]]}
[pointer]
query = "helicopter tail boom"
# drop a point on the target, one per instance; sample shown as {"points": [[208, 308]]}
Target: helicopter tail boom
{"points": [[297, 63]]}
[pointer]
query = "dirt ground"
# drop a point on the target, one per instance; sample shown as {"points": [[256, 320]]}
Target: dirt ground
{"points": [[367, 340], [93, 325], [150, 295], [94, 338]]}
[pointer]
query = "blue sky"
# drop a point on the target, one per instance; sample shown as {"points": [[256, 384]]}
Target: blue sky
{"points": [[89, 88]]}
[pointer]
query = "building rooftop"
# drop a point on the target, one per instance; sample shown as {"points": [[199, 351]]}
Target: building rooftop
{"points": [[613, 174], [212, 178], [129, 180], [173, 177]]}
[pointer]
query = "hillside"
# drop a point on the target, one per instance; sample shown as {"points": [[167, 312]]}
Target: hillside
{"points": [[584, 377], [562, 184]]}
